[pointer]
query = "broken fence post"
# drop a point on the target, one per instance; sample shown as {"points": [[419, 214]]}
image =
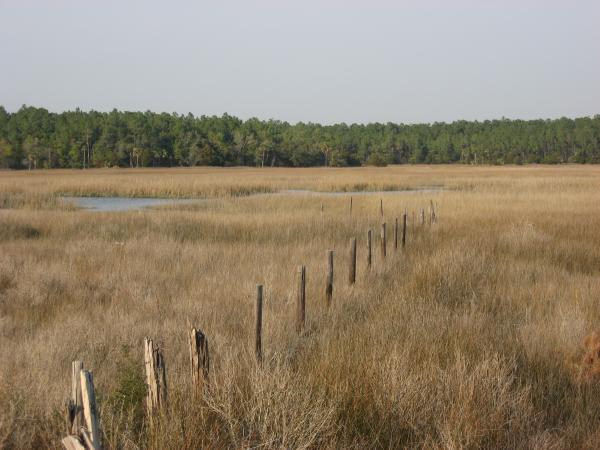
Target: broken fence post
{"points": [[199, 358], [82, 413], [90, 411], [75, 419], [156, 378]]}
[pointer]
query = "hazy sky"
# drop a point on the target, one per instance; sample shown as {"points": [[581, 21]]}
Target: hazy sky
{"points": [[321, 61]]}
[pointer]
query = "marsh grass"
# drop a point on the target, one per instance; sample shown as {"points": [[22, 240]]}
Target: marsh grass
{"points": [[472, 338]]}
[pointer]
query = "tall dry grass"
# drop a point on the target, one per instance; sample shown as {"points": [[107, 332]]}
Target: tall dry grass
{"points": [[472, 338]]}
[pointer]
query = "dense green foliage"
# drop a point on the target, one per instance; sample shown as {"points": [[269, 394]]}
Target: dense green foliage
{"points": [[35, 138]]}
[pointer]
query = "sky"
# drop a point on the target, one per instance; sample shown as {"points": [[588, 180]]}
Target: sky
{"points": [[324, 61]]}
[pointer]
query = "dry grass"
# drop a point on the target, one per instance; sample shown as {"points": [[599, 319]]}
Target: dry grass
{"points": [[471, 339]]}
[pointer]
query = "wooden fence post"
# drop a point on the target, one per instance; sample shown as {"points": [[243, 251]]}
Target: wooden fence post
{"points": [[156, 378], [83, 425], [383, 241], [350, 205], [369, 248], [381, 207], [352, 274], [396, 234], [258, 323], [91, 433], [75, 419], [199, 358], [301, 299], [329, 286], [404, 230]]}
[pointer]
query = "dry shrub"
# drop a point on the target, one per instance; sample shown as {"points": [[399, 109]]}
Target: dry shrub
{"points": [[464, 405], [278, 408]]}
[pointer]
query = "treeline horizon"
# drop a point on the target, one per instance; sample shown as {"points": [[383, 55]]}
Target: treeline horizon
{"points": [[34, 138]]}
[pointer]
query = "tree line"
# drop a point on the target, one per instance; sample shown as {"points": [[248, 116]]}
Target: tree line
{"points": [[34, 138]]}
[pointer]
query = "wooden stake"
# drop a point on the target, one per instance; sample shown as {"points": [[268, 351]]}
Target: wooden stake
{"points": [[75, 419], [383, 241], [90, 411], [301, 299], [156, 378], [352, 274], [329, 286], [381, 207], [350, 205], [396, 234], [258, 323], [404, 230], [199, 358], [369, 248]]}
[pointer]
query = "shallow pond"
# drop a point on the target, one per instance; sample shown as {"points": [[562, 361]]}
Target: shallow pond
{"points": [[105, 204], [422, 190], [108, 204]]}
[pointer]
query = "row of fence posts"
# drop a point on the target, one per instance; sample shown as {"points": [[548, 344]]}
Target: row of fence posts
{"points": [[301, 288], [83, 425]]}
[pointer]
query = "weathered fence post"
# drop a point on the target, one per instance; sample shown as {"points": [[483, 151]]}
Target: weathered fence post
{"points": [[383, 241], [369, 248], [199, 358], [350, 205], [82, 413], [301, 299], [404, 230], [329, 286], [75, 419], [396, 234], [258, 323], [156, 378], [352, 273], [91, 433], [381, 207]]}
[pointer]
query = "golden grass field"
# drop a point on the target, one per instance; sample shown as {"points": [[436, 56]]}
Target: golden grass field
{"points": [[470, 338]]}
